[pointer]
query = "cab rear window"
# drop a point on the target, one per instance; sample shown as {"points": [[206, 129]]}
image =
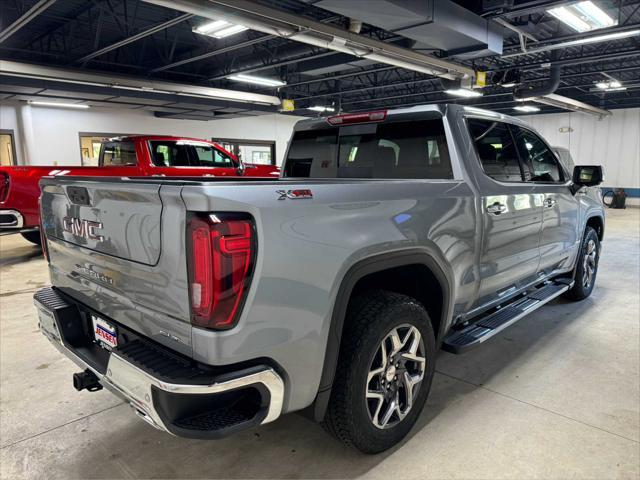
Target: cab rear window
{"points": [[416, 149]]}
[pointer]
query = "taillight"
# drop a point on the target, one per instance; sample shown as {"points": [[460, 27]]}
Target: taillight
{"points": [[221, 252], [4, 186], [377, 116]]}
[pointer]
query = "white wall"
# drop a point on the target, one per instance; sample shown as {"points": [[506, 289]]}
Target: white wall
{"points": [[613, 142], [55, 130]]}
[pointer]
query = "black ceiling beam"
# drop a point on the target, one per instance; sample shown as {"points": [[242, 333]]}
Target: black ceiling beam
{"points": [[135, 38], [24, 19], [274, 64], [214, 53]]}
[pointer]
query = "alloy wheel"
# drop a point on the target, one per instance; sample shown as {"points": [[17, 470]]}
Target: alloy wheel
{"points": [[589, 264], [395, 375]]}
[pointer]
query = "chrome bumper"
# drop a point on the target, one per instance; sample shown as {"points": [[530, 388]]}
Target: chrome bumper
{"points": [[11, 219], [135, 385]]}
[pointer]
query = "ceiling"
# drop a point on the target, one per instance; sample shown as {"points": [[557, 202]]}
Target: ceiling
{"points": [[156, 43]]}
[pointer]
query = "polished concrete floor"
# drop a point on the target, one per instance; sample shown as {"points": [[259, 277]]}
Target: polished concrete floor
{"points": [[555, 396]]}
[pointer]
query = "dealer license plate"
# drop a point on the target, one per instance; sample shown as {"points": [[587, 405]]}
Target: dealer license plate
{"points": [[104, 333]]}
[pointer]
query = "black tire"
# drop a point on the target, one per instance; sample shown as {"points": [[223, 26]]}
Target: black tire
{"points": [[586, 268], [33, 237], [370, 319]]}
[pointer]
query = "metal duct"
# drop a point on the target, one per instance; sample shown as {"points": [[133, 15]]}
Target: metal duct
{"points": [[570, 104], [526, 91], [27, 70], [438, 24], [269, 20]]}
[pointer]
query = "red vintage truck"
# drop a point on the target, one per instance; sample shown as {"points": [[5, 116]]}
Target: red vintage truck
{"points": [[132, 156]]}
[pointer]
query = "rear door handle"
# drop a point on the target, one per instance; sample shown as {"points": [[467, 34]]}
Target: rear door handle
{"points": [[496, 208], [550, 202]]}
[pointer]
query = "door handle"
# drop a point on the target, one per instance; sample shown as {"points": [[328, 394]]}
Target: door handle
{"points": [[550, 202], [496, 208]]}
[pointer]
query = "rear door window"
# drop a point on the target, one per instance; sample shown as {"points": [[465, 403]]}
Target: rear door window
{"points": [[168, 153], [416, 149], [118, 154], [496, 149]]}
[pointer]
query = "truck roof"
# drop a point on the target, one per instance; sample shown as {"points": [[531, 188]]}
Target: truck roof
{"points": [[145, 138], [435, 108]]}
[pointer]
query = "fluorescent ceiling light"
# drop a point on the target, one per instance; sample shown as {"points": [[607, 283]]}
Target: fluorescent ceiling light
{"points": [[509, 85], [61, 105], [608, 85], [611, 86], [233, 29], [219, 29], [270, 82], [463, 92], [319, 108], [594, 14], [583, 16], [526, 108]]}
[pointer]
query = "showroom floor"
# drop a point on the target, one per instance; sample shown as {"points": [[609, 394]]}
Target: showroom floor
{"points": [[555, 396]]}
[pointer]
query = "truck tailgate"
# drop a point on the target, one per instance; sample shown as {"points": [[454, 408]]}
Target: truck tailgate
{"points": [[81, 213], [105, 240]]}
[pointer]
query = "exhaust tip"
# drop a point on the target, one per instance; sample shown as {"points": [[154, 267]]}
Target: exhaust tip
{"points": [[86, 380]]}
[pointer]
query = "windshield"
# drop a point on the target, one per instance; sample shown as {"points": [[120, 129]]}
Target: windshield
{"points": [[565, 159], [184, 153], [415, 149]]}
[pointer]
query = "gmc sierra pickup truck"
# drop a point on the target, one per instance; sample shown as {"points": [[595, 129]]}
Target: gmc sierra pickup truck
{"points": [[133, 156], [214, 305]]}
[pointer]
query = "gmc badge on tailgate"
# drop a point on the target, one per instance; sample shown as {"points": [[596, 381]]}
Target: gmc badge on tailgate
{"points": [[82, 228]]}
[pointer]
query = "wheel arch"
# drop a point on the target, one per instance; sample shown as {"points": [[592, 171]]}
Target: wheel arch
{"points": [[361, 271], [596, 221]]}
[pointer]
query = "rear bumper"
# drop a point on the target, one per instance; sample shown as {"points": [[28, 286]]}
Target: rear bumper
{"points": [[11, 219], [166, 390]]}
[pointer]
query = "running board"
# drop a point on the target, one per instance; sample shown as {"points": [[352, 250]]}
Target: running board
{"points": [[486, 327]]}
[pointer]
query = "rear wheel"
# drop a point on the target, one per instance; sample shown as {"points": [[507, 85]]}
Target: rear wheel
{"points": [[384, 372], [33, 237], [587, 267]]}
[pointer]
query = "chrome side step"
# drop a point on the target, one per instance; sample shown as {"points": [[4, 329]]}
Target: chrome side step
{"points": [[458, 341]]}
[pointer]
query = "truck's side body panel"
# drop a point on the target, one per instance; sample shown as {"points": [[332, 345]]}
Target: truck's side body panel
{"points": [[307, 246]]}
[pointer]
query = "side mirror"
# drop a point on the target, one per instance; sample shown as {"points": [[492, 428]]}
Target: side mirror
{"points": [[587, 175], [240, 168]]}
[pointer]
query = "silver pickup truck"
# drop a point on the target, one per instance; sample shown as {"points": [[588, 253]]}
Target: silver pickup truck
{"points": [[212, 305]]}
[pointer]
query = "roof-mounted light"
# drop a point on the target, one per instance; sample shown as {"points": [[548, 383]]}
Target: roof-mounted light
{"points": [[583, 16], [463, 92], [219, 29]]}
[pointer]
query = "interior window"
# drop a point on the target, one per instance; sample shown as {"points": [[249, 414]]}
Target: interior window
{"points": [[496, 150], [415, 149], [538, 157], [119, 154]]}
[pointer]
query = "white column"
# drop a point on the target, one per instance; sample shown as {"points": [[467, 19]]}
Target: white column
{"points": [[27, 135]]}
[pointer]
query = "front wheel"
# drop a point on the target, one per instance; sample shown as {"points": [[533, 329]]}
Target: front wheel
{"points": [[384, 371], [33, 237], [587, 267]]}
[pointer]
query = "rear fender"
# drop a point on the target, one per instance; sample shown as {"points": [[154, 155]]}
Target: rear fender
{"points": [[358, 271]]}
